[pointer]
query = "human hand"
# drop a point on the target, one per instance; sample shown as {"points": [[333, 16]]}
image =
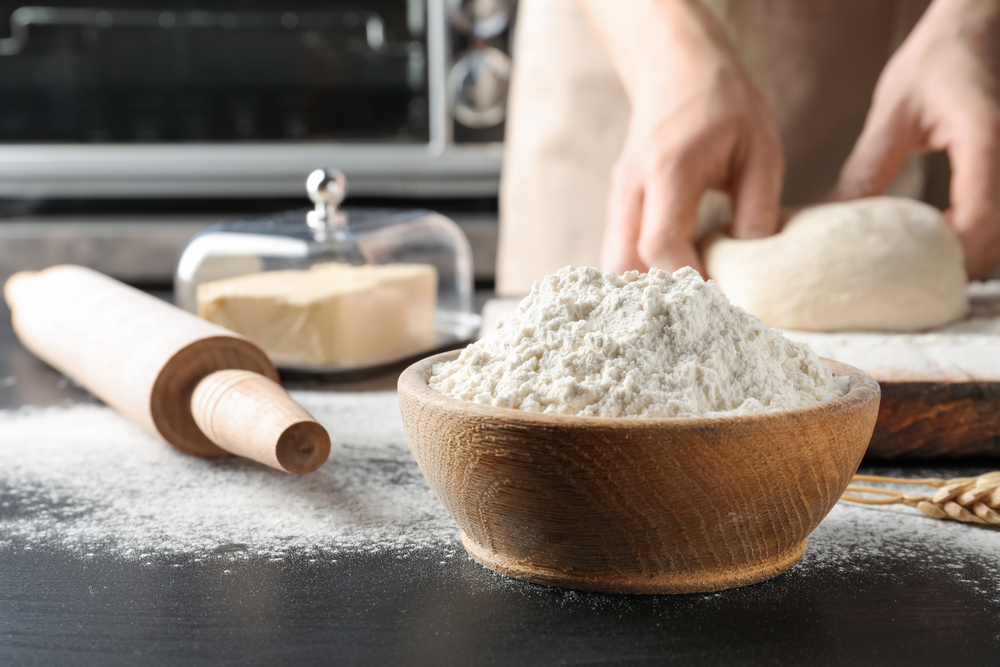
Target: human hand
{"points": [[941, 91], [698, 123]]}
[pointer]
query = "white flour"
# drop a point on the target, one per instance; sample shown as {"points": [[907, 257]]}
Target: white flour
{"points": [[85, 480], [639, 345], [901, 536]]}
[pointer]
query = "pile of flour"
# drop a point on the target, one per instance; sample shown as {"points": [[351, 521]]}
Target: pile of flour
{"points": [[638, 345]]}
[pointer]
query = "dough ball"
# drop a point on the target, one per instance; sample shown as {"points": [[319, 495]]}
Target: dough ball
{"points": [[878, 264]]}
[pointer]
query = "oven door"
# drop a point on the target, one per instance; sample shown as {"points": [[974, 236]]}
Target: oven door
{"points": [[155, 99]]}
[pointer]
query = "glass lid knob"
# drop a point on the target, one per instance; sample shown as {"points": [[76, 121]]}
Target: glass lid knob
{"points": [[326, 188]]}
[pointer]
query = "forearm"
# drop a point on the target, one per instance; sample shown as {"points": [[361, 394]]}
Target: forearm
{"points": [[968, 12], [970, 21], [658, 46]]}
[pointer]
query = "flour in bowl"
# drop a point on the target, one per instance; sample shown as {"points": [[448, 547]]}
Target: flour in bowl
{"points": [[638, 345]]}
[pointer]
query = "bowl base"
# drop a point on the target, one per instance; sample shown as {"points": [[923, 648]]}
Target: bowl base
{"points": [[702, 581]]}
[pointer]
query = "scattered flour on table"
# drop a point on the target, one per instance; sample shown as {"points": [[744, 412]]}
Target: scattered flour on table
{"points": [[639, 345], [84, 479], [968, 553]]}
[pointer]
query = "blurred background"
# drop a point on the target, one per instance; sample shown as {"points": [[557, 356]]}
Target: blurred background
{"points": [[127, 127]]}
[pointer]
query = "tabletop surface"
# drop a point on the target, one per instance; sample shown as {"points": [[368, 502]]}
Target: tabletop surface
{"points": [[876, 586]]}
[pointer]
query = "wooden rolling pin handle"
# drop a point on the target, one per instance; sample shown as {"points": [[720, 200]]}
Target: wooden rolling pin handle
{"points": [[250, 415]]}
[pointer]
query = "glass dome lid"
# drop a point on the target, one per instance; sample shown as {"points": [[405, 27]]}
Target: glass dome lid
{"points": [[334, 289]]}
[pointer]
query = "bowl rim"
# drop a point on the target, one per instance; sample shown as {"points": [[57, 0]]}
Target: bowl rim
{"points": [[862, 390]]}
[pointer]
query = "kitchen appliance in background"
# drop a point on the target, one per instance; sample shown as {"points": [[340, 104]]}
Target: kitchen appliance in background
{"points": [[127, 127], [480, 71]]}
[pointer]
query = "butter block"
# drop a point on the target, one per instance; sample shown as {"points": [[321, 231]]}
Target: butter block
{"points": [[330, 314]]}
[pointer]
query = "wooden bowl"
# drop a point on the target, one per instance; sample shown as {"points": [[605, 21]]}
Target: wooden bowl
{"points": [[626, 505]]}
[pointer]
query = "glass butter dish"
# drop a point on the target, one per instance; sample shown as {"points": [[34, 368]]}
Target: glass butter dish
{"points": [[333, 289]]}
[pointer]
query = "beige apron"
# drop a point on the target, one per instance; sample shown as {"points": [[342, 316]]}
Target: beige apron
{"points": [[815, 61]]}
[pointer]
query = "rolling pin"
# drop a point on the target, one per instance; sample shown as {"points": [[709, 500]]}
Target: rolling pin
{"points": [[205, 390]]}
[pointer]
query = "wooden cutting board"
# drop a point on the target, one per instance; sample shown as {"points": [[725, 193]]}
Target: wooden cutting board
{"points": [[940, 389]]}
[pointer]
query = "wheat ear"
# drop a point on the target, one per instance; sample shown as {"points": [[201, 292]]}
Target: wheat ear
{"points": [[969, 499]]}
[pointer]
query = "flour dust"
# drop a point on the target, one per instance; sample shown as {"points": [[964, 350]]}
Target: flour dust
{"points": [[85, 480]]}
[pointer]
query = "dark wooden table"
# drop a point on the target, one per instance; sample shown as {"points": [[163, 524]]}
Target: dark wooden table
{"points": [[57, 609]]}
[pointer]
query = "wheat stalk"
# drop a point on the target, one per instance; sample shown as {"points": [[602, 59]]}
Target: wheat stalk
{"points": [[969, 499]]}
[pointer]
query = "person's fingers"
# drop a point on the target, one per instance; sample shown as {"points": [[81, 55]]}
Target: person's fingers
{"points": [[669, 219], [757, 193], [621, 227], [975, 196], [877, 156]]}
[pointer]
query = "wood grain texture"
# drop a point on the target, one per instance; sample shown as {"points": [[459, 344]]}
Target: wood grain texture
{"points": [[940, 389], [138, 354], [250, 415], [935, 419], [636, 505]]}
